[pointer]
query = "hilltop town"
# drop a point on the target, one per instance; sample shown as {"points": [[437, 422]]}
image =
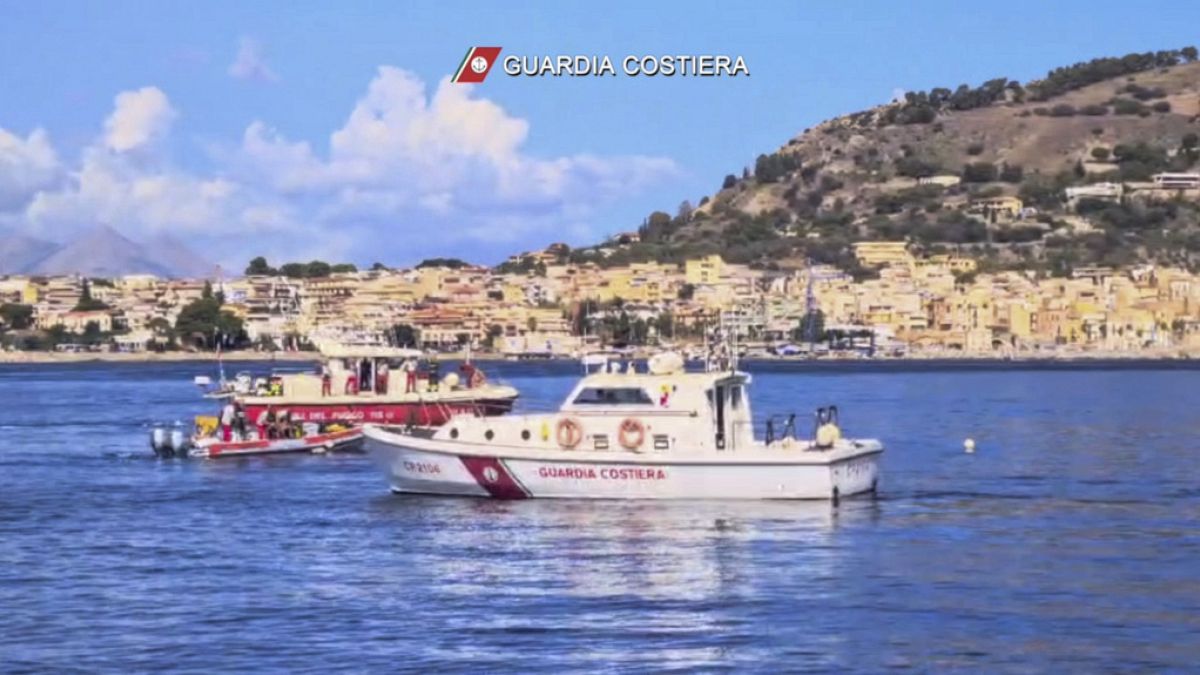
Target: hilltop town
{"points": [[1095, 164], [915, 306]]}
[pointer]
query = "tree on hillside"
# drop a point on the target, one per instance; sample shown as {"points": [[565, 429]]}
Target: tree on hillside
{"points": [[811, 328], [86, 302], [915, 167], [684, 213], [92, 335], [318, 269], [16, 316], [1189, 54], [979, 172], [259, 267], [162, 329], [494, 331], [729, 182], [452, 263], [204, 324], [1011, 173], [294, 270]]}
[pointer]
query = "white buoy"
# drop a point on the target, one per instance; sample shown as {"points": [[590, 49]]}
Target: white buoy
{"points": [[969, 445]]}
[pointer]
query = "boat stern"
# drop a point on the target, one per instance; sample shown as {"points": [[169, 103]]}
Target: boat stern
{"points": [[855, 468]]}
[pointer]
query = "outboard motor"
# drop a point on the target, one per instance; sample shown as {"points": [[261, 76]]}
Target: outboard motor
{"points": [[159, 441], [178, 439]]}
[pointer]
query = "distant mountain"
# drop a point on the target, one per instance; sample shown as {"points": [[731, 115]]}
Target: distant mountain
{"points": [[100, 252], [176, 258], [20, 253]]}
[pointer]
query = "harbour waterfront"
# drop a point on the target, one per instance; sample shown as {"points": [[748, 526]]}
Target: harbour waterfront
{"points": [[1067, 540]]}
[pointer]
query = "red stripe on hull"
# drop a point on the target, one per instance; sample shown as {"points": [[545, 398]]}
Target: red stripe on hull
{"points": [[493, 476]]}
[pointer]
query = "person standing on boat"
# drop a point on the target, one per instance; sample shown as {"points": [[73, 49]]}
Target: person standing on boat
{"points": [[264, 421], [283, 423], [381, 377], [433, 373], [410, 375], [227, 416], [239, 420], [469, 373], [364, 375], [326, 381]]}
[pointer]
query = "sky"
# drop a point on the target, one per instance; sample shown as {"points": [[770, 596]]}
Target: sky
{"points": [[306, 130]]}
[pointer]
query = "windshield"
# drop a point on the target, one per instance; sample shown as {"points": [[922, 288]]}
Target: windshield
{"points": [[612, 396]]}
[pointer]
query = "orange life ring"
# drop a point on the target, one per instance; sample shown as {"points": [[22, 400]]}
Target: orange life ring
{"points": [[631, 434], [568, 433]]}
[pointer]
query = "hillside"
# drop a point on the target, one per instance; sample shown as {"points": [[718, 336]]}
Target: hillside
{"points": [[1115, 122]]}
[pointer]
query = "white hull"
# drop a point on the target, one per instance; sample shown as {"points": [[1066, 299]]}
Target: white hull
{"points": [[428, 466]]}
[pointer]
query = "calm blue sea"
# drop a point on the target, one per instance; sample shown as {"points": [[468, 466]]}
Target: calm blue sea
{"points": [[1070, 542]]}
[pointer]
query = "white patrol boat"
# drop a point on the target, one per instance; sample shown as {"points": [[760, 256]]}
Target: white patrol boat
{"points": [[620, 434]]}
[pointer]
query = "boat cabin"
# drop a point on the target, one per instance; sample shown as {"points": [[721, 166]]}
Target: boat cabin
{"points": [[368, 371], [671, 400], [657, 408]]}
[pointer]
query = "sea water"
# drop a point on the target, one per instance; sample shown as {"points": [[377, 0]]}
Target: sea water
{"points": [[1068, 541]]}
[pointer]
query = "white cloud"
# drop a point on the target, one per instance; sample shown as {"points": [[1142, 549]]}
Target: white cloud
{"points": [[249, 64], [139, 117], [447, 153], [408, 174], [26, 166]]}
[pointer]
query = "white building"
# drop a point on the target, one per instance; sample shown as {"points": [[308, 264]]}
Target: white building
{"points": [[1177, 181], [1107, 191]]}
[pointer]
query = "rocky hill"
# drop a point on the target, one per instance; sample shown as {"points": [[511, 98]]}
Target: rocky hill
{"points": [[933, 169]]}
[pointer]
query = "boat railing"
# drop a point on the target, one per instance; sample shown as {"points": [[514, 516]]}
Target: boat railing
{"points": [[779, 427]]}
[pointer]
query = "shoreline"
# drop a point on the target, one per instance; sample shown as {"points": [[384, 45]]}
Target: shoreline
{"points": [[43, 358]]}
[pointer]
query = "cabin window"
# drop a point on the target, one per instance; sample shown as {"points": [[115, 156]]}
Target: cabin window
{"points": [[612, 396]]}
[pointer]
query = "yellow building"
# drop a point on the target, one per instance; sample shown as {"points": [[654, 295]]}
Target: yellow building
{"points": [[18, 290], [881, 253], [75, 322], [706, 270], [953, 263], [1020, 320]]}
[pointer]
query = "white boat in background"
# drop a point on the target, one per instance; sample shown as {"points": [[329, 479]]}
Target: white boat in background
{"points": [[620, 434]]}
